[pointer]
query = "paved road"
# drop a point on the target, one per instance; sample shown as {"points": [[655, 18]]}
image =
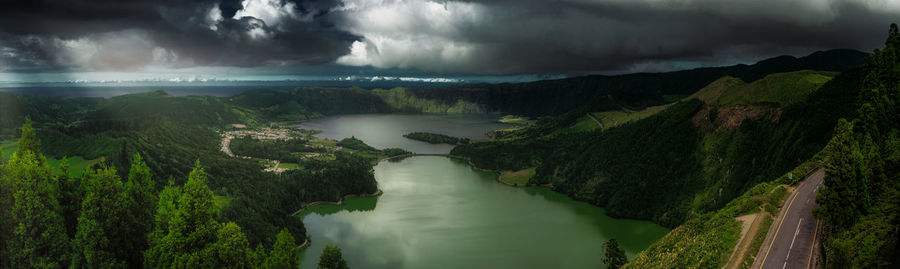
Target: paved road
{"points": [[791, 238]]}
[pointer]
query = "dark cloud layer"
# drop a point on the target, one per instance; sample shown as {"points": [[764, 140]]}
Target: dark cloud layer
{"points": [[116, 35], [464, 37]]}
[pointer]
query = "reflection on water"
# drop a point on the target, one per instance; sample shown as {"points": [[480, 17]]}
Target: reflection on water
{"points": [[440, 213], [354, 204], [387, 130]]}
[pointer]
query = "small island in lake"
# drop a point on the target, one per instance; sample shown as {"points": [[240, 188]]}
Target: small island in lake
{"points": [[436, 138]]}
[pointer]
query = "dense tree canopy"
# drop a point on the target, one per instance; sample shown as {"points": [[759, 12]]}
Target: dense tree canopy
{"points": [[860, 199], [332, 258], [38, 236], [613, 255], [284, 254], [102, 226]]}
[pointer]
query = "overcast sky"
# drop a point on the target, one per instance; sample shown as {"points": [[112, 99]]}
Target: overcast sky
{"points": [[431, 37]]}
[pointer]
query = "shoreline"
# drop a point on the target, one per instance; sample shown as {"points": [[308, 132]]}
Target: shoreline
{"points": [[309, 205], [380, 192], [468, 162]]}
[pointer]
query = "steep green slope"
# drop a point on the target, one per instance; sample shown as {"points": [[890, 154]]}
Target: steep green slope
{"points": [[859, 202], [400, 99], [690, 158], [303, 103], [781, 88], [190, 110]]}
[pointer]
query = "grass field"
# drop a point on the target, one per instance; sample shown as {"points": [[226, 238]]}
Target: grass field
{"points": [[584, 124], [288, 165], [781, 88], [615, 118], [514, 119], [7, 147], [518, 178], [76, 164]]}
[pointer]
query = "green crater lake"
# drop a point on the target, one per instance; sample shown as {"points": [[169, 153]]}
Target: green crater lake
{"points": [[438, 212]]}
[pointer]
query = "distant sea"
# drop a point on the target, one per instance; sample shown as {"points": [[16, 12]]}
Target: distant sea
{"points": [[220, 88]]}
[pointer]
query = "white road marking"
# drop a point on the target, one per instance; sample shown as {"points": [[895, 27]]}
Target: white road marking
{"points": [[785, 264], [796, 231]]}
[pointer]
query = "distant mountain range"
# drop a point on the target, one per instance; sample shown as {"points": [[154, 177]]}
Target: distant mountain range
{"points": [[633, 91]]}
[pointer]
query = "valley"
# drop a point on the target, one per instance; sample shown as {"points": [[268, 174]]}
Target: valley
{"points": [[542, 174]]}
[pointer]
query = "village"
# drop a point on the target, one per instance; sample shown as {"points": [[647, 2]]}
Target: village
{"points": [[321, 148]]}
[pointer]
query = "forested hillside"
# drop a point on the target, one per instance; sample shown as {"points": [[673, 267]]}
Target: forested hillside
{"points": [[858, 202], [303, 103], [178, 140], [861, 196], [45, 111], [106, 221], [691, 158]]}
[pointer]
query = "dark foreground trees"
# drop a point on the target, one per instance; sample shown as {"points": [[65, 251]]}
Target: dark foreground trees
{"points": [[285, 253], [613, 256], [190, 236], [332, 258], [860, 199], [33, 229], [103, 221]]}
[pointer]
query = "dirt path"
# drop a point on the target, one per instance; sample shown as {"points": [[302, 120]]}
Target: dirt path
{"points": [[749, 228], [596, 120]]}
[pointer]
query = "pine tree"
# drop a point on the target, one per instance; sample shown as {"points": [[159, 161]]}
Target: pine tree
{"points": [[6, 219], [102, 229], [614, 256], [840, 198], [259, 256], [231, 249], [70, 194], [285, 253], [38, 238], [332, 258], [187, 235], [29, 141], [187, 230], [141, 203], [158, 255]]}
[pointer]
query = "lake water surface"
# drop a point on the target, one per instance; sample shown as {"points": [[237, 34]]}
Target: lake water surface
{"points": [[438, 212]]}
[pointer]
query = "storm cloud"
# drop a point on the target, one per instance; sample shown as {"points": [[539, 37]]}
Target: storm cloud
{"points": [[130, 35], [447, 37]]}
